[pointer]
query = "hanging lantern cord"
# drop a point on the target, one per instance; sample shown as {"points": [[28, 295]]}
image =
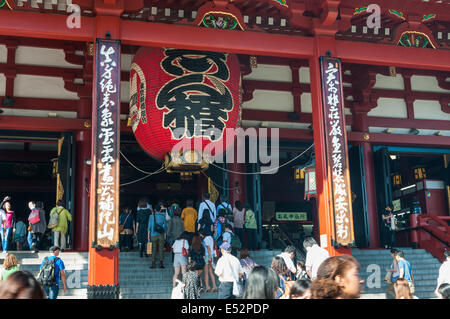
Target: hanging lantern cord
{"points": [[223, 188], [266, 171], [148, 174]]}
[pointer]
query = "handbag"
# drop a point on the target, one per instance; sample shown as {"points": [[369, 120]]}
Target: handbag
{"points": [[34, 217], [149, 248], [184, 251], [122, 227], [178, 290], [388, 277], [238, 288]]}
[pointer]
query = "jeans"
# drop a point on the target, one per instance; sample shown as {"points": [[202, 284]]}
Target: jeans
{"points": [[36, 239], [51, 291], [6, 234], [225, 290], [30, 239]]}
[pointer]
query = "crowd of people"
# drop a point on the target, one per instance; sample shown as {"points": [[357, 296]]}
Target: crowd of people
{"points": [[22, 284], [210, 254], [29, 230]]}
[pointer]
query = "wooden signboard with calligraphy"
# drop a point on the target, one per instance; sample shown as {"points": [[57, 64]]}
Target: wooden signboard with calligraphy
{"points": [[337, 150], [106, 143]]}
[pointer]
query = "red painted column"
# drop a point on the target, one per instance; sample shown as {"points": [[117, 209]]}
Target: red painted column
{"points": [[360, 124], [81, 217], [322, 44], [103, 264]]}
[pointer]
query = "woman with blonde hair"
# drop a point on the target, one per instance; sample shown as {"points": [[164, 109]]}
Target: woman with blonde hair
{"points": [[402, 290], [10, 266]]}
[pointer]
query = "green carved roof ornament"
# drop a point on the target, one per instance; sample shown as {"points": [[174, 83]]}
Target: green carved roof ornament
{"points": [[359, 10], [282, 2], [414, 39], [213, 22], [397, 13], [428, 17], [2, 3]]}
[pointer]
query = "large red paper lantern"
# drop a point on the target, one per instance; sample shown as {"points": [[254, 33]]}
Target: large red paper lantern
{"points": [[184, 95]]}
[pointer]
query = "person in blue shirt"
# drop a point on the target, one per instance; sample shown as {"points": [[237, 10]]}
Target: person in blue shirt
{"points": [[157, 238], [52, 291], [405, 270]]}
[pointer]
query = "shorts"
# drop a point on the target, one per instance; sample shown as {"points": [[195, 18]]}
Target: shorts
{"points": [[179, 260]]}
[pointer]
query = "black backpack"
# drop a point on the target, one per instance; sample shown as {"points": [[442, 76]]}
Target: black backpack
{"points": [[47, 275]]}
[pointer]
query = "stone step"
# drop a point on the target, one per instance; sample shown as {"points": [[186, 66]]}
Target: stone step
{"points": [[406, 251]]}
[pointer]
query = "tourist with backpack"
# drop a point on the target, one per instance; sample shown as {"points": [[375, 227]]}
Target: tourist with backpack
{"points": [[50, 273], [157, 232], [38, 225], [219, 226], [206, 214], [62, 217], [228, 210]]}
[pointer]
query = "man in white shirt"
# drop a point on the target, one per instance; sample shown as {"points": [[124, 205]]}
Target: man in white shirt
{"points": [[207, 204], [229, 270], [314, 257], [444, 272], [288, 255]]}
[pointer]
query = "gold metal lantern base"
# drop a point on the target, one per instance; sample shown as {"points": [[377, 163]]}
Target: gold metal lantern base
{"points": [[186, 163]]}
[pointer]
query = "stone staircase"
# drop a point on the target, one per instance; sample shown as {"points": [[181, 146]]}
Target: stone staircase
{"points": [[375, 262], [76, 270], [138, 281]]}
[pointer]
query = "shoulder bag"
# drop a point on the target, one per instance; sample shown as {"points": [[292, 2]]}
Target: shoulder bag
{"points": [[122, 227], [157, 227]]}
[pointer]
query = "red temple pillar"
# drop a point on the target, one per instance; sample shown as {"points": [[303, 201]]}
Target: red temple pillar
{"points": [[103, 282], [322, 45], [360, 124], [81, 218]]}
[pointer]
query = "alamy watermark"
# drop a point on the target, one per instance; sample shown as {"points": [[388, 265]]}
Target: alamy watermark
{"points": [[73, 21], [263, 146]]}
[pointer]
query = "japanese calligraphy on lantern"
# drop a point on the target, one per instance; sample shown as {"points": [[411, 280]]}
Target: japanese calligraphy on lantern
{"points": [[196, 94], [106, 133], [337, 158]]}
